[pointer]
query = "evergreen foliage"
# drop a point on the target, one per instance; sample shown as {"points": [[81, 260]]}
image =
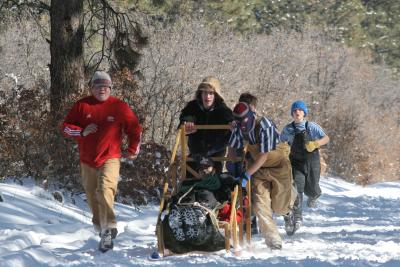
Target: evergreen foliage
{"points": [[373, 26]]}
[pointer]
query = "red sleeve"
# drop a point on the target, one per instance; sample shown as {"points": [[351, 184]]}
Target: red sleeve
{"points": [[133, 130], [70, 127]]}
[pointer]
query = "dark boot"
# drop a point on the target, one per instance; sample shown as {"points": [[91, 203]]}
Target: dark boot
{"points": [[289, 223], [254, 227], [106, 241], [312, 202], [298, 212], [114, 232], [273, 240]]}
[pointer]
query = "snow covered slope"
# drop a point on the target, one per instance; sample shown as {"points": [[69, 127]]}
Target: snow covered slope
{"points": [[351, 226]]}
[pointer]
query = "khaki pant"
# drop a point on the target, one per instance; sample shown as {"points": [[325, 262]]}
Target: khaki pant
{"points": [[272, 189], [261, 198], [100, 186]]}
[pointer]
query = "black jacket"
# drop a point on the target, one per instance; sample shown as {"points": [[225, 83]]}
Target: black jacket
{"points": [[203, 141]]}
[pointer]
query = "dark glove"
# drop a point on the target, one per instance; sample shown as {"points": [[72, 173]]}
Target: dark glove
{"points": [[234, 168], [243, 178], [197, 157], [230, 167]]}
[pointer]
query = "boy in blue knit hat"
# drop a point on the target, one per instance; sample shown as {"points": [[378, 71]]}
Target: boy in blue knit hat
{"points": [[304, 138]]}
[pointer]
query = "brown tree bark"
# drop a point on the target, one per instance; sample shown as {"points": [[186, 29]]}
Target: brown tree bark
{"points": [[66, 49], [67, 79]]}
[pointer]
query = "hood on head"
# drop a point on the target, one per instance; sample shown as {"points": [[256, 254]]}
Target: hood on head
{"points": [[213, 82]]}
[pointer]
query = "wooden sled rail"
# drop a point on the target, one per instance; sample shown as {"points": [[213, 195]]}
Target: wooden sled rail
{"points": [[213, 127], [232, 229]]}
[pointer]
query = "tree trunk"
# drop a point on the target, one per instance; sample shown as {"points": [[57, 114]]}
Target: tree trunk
{"points": [[66, 49], [67, 80]]}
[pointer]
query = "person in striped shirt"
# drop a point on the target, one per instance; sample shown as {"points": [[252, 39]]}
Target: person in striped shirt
{"points": [[268, 166], [304, 137]]}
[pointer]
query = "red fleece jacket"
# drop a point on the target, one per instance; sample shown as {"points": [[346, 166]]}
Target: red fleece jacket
{"points": [[113, 117]]}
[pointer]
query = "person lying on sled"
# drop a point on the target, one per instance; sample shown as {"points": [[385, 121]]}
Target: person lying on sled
{"points": [[191, 220]]}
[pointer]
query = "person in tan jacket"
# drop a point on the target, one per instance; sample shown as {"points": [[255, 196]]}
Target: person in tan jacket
{"points": [[268, 167]]}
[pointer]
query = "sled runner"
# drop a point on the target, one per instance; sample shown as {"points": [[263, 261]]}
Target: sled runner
{"points": [[179, 213]]}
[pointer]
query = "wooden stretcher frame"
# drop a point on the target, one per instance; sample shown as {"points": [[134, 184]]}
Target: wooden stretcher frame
{"points": [[231, 229]]}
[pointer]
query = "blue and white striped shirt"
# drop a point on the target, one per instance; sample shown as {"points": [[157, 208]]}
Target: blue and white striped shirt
{"points": [[267, 132], [314, 131]]}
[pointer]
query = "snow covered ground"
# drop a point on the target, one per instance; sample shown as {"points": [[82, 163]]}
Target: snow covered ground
{"points": [[352, 226]]}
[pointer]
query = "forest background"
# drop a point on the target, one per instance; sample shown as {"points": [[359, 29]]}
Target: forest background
{"points": [[341, 57]]}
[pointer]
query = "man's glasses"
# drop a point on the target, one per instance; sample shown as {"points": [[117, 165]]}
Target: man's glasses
{"points": [[97, 87]]}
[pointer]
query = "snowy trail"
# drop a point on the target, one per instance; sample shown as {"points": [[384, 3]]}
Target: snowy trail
{"points": [[351, 226]]}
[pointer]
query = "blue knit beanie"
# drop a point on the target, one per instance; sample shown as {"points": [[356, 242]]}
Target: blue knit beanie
{"points": [[299, 105]]}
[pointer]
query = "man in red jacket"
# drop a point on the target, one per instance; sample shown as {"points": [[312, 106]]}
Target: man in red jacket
{"points": [[98, 122]]}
